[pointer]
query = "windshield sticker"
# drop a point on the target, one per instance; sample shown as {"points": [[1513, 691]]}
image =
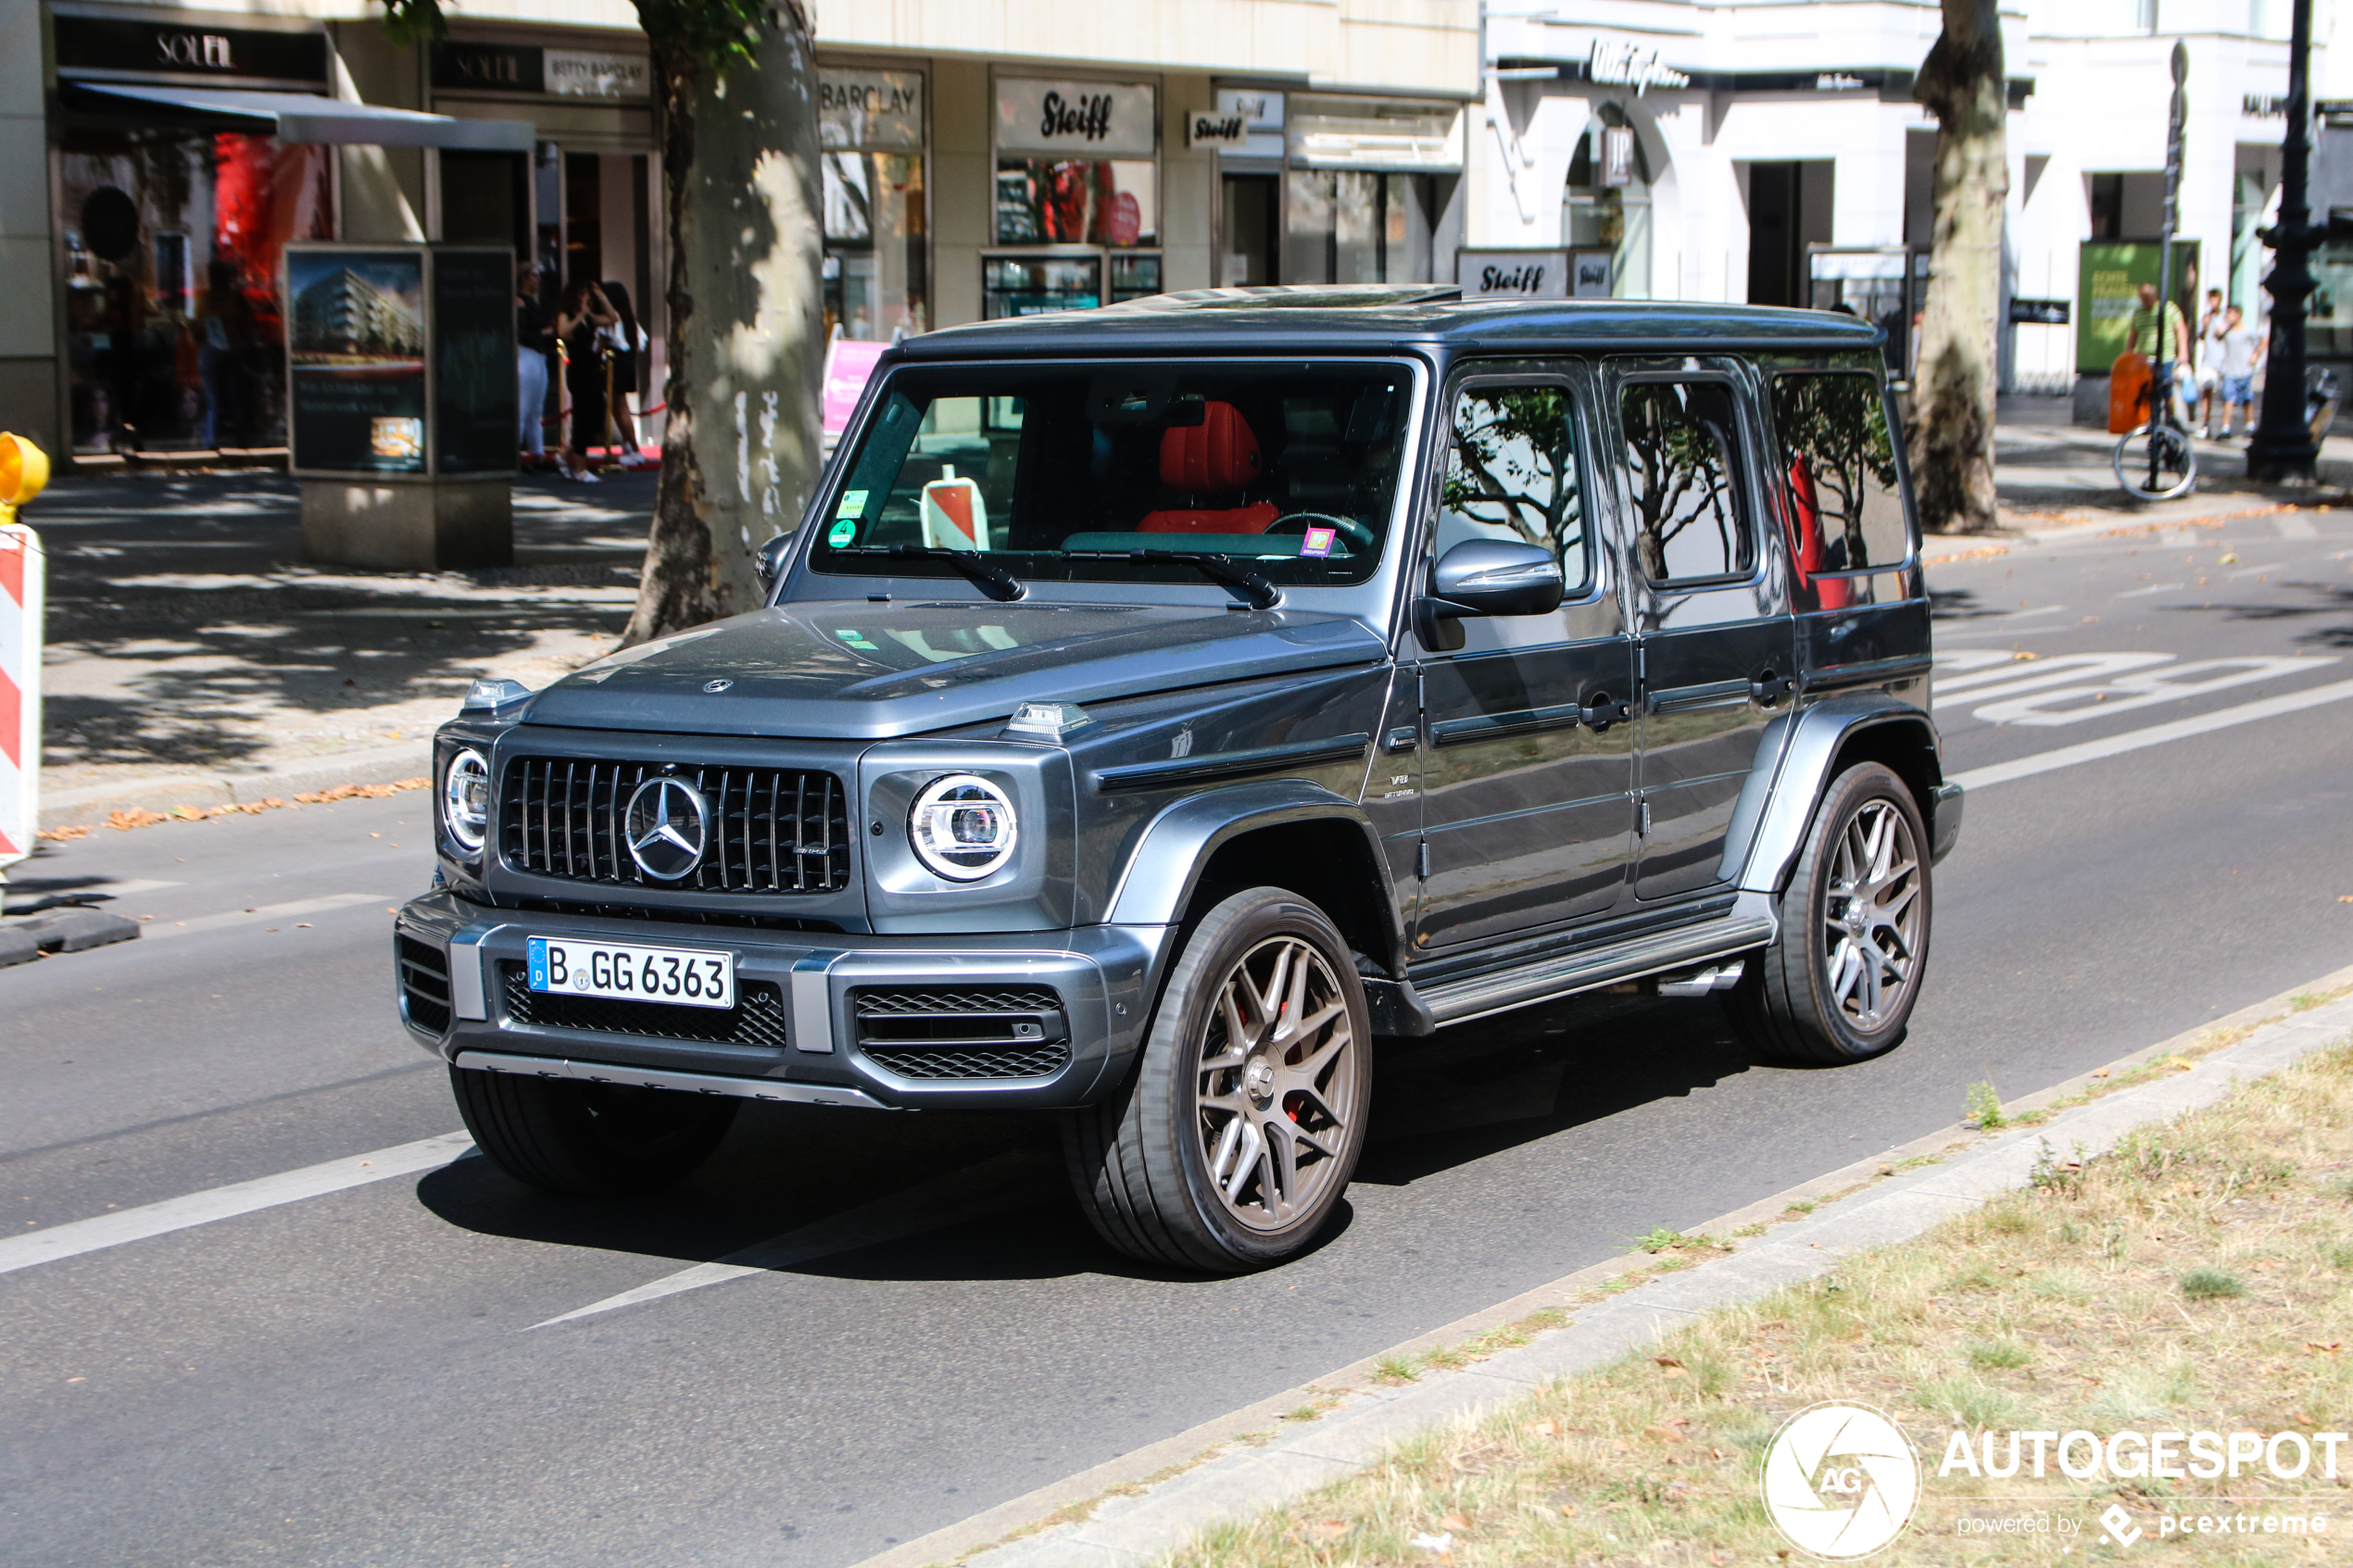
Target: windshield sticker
{"points": [[853, 503], [1319, 542], [857, 640], [843, 531]]}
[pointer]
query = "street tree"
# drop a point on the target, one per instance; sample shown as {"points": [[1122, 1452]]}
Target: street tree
{"points": [[1962, 83], [743, 210]]}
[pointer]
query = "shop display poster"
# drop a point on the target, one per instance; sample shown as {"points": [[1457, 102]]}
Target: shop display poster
{"points": [[356, 354]]}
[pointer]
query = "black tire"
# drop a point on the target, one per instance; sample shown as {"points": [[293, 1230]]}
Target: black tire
{"points": [[593, 1140], [1800, 998], [1143, 1161]]}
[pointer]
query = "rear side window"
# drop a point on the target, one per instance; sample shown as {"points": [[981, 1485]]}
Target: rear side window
{"points": [[1511, 474], [1682, 470], [1845, 503]]}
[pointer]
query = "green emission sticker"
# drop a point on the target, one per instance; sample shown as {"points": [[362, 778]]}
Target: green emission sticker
{"points": [[843, 531]]}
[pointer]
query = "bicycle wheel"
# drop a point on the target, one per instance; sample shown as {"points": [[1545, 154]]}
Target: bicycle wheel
{"points": [[2156, 463]]}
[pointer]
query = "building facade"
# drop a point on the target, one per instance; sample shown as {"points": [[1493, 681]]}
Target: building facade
{"points": [[978, 161]]}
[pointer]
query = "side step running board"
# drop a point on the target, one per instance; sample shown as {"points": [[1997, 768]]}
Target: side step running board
{"points": [[656, 1078], [1460, 1001]]}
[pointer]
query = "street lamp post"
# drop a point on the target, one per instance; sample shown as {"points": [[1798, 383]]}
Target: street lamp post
{"points": [[2283, 449]]}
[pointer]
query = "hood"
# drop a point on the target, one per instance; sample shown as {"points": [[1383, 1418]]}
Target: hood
{"points": [[852, 669]]}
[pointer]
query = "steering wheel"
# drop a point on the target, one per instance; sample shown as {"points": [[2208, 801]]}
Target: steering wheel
{"points": [[1355, 532]]}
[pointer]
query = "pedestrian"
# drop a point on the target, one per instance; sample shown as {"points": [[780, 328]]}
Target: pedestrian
{"points": [[2208, 371], [580, 318], [535, 340], [2240, 348], [2151, 327], [623, 342]]}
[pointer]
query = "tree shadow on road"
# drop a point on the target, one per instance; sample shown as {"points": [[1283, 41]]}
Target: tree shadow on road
{"points": [[2328, 600]]}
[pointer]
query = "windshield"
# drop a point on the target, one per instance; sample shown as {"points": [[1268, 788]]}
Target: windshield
{"points": [[1063, 473]]}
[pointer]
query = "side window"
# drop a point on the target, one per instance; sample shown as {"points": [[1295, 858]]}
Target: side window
{"points": [[939, 475], [1511, 474], [1846, 513], [1682, 469]]}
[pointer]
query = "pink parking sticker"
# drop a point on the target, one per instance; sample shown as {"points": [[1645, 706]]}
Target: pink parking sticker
{"points": [[1319, 542]]}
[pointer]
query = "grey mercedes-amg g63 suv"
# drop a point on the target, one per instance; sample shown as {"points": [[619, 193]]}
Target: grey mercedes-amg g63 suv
{"points": [[1159, 704]]}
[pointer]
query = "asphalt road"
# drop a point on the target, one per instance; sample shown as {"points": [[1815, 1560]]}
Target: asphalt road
{"points": [[356, 1377]]}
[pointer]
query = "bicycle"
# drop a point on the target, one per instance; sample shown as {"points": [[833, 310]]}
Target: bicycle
{"points": [[2155, 462]]}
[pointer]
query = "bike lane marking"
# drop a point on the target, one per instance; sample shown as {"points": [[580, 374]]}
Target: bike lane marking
{"points": [[95, 1234], [2154, 734]]}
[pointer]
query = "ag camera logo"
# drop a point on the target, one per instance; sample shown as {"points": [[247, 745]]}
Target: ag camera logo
{"points": [[1840, 1480]]}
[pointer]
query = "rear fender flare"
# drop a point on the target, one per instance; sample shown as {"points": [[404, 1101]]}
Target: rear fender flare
{"points": [[1776, 809]]}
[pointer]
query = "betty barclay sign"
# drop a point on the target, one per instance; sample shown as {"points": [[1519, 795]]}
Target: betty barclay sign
{"points": [[858, 107], [1077, 118]]}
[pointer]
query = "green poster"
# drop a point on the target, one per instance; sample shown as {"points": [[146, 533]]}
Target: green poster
{"points": [[2108, 279]]}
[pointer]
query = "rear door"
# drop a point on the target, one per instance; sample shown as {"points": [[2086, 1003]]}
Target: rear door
{"points": [[1527, 815], [1712, 633]]}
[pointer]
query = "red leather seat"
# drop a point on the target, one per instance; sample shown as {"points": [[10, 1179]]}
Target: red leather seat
{"points": [[1216, 458]]}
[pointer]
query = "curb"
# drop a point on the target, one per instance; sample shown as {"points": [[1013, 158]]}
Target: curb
{"points": [[91, 803], [1153, 1516]]}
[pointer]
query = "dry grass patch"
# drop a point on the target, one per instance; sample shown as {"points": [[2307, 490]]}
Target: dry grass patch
{"points": [[2199, 1276]]}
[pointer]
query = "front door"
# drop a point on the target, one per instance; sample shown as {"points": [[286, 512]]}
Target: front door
{"points": [[1527, 815], [1715, 644]]}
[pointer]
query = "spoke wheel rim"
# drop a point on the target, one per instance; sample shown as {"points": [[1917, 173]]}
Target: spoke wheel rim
{"points": [[1274, 1101], [1873, 918]]}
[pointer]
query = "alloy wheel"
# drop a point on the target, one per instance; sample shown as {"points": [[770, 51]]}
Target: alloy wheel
{"points": [[1871, 917], [1276, 1091]]}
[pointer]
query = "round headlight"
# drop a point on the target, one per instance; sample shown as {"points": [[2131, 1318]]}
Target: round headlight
{"points": [[465, 800], [962, 827]]}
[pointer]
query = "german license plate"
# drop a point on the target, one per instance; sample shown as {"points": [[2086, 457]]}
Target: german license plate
{"points": [[683, 976]]}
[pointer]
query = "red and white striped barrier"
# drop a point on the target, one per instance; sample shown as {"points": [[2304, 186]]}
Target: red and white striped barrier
{"points": [[23, 471], [19, 691]]}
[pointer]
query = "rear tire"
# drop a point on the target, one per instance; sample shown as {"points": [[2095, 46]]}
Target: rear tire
{"points": [[1840, 984], [593, 1140], [1231, 1143]]}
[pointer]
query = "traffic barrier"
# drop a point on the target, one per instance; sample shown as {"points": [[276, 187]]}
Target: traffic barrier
{"points": [[24, 469]]}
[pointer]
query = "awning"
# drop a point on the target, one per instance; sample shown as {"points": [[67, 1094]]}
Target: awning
{"points": [[303, 117]]}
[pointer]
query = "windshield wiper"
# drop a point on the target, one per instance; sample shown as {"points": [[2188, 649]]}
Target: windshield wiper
{"points": [[994, 580], [1224, 569]]}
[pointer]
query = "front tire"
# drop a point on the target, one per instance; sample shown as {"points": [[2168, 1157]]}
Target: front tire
{"points": [[592, 1140], [1232, 1143], [1840, 984]]}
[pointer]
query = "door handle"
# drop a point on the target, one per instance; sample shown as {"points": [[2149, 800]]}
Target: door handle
{"points": [[1769, 687], [1600, 712]]}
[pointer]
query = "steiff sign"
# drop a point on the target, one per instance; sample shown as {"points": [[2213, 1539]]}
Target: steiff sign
{"points": [[1075, 118], [1513, 274]]}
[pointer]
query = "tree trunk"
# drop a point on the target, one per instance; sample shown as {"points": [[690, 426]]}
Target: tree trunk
{"points": [[1952, 437], [740, 193]]}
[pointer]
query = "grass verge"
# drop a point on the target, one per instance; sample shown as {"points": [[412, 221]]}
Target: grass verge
{"points": [[2200, 1276]]}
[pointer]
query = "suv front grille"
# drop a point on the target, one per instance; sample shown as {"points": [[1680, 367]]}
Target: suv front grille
{"points": [[757, 1019], [773, 829], [424, 984], [962, 1032]]}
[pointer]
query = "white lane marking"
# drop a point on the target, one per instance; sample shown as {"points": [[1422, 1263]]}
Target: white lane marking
{"points": [[2255, 571], [2145, 688], [1007, 1181], [73, 1239], [2152, 588], [1968, 659], [263, 913], [2020, 676], [2288, 525], [2156, 734]]}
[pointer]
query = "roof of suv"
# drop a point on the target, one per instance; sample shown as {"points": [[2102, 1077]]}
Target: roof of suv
{"points": [[1373, 316]]}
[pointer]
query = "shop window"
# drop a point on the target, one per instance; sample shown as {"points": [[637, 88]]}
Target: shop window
{"points": [[1067, 201], [175, 332], [1355, 226], [1036, 285], [1605, 208], [876, 264], [1683, 477], [1845, 507]]}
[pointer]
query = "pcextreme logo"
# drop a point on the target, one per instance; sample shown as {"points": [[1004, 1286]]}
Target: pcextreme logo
{"points": [[1840, 1480]]}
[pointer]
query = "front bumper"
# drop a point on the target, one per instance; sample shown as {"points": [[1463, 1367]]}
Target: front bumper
{"points": [[458, 972]]}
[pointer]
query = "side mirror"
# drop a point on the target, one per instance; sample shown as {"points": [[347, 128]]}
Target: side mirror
{"points": [[771, 560], [1488, 577]]}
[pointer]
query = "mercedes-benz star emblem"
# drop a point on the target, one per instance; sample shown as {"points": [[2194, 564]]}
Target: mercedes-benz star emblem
{"points": [[668, 824], [721, 685]]}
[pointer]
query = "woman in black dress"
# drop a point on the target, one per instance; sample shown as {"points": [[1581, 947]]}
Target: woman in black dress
{"points": [[625, 341], [579, 319]]}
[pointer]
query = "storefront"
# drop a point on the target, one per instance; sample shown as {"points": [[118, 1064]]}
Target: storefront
{"points": [[877, 200], [1076, 216]]}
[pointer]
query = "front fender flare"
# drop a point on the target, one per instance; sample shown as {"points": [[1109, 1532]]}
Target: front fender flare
{"points": [[1164, 869], [1777, 808]]}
